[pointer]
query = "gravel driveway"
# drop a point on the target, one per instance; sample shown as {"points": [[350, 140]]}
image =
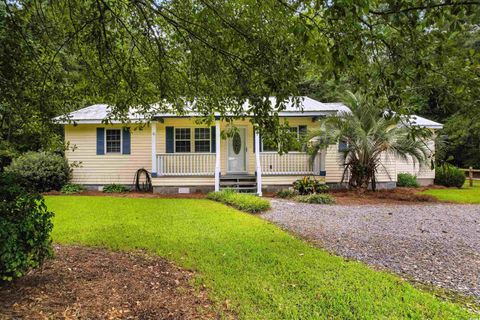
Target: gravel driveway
{"points": [[437, 244]]}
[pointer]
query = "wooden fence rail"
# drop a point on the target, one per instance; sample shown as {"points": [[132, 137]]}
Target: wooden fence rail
{"points": [[470, 172]]}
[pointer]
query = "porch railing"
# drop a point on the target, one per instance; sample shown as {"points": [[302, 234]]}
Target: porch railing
{"points": [[186, 164], [294, 163]]}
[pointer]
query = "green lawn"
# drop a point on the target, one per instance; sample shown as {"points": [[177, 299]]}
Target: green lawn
{"points": [[466, 194], [264, 272]]}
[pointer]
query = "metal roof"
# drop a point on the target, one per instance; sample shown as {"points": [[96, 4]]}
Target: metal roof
{"points": [[309, 107]]}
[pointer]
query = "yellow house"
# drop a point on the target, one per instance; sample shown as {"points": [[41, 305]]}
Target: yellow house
{"points": [[184, 156]]}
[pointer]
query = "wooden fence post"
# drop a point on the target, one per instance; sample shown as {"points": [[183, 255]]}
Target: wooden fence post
{"points": [[470, 176]]}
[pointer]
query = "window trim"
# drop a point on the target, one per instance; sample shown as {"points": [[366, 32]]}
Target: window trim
{"points": [[121, 141], [209, 140], [192, 139], [175, 139]]}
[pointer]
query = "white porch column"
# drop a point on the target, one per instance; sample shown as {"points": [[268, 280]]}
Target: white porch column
{"points": [[217, 155], [259, 165], [153, 126], [323, 159]]}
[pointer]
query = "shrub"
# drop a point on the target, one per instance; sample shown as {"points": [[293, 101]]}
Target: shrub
{"points": [[25, 226], [71, 188], [309, 185], [449, 176], [407, 180], [315, 198], [242, 201], [287, 193], [115, 188], [42, 171]]}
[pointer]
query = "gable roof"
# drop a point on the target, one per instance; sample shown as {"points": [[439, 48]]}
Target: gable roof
{"points": [[97, 113]]}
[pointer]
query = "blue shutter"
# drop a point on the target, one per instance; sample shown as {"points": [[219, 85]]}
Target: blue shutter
{"points": [[302, 131], [342, 146], [169, 141], [213, 137], [126, 140], [100, 141]]}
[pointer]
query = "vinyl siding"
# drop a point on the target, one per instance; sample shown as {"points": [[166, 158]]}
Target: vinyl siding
{"points": [[387, 172], [283, 180], [183, 181], [333, 165], [116, 168], [108, 168], [413, 167]]}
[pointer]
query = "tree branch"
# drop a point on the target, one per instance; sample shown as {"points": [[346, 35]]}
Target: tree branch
{"points": [[426, 7]]}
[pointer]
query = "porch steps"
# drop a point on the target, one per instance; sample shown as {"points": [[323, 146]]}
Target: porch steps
{"points": [[240, 183]]}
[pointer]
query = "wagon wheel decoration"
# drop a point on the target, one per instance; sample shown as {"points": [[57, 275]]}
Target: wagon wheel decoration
{"points": [[237, 143]]}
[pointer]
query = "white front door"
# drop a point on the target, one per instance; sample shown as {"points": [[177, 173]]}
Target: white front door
{"points": [[236, 156]]}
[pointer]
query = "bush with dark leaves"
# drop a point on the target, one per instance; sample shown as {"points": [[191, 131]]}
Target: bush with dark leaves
{"points": [[407, 180], [449, 176], [25, 226], [42, 171]]}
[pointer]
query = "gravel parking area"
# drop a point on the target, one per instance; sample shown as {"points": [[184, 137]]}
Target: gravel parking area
{"points": [[436, 244]]}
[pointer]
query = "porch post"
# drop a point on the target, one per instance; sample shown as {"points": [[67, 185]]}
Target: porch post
{"points": [[323, 158], [153, 126], [259, 167], [217, 155]]}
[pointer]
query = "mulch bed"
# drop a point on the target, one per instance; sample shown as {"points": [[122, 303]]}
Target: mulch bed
{"points": [[343, 197], [93, 283], [394, 196]]}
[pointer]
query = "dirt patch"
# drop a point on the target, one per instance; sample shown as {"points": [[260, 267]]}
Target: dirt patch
{"points": [[92, 283], [196, 195]]}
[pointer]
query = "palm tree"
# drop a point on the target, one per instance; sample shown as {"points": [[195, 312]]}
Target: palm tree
{"points": [[368, 132]]}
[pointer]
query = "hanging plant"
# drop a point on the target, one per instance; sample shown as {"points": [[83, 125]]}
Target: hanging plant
{"points": [[237, 143]]}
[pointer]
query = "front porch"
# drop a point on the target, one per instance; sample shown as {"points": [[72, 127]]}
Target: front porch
{"points": [[236, 162]]}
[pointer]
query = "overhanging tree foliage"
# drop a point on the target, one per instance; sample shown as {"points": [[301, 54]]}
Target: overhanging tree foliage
{"points": [[218, 54], [411, 56], [210, 56]]}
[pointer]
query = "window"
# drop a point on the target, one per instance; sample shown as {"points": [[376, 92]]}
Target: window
{"points": [[269, 147], [113, 141], [202, 139], [342, 145], [182, 140], [293, 143]]}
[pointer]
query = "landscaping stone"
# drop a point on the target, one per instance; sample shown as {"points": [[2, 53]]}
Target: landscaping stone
{"points": [[437, 244]]}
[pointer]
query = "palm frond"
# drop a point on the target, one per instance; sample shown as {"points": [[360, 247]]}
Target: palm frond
{"points": [[370, 133]]}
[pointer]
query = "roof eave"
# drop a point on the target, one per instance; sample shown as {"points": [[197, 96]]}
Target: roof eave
{"points": [[98, 121]]}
